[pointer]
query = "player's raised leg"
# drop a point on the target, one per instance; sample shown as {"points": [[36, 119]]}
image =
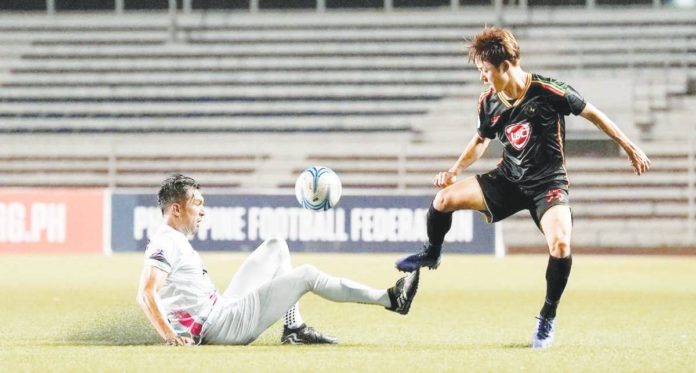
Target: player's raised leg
{"points": [[280, 293], [271, 260], [557, 225], [466, 194]]}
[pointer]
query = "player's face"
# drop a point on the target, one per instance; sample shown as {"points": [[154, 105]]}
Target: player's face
{"points": [[193, 212], [492, 76]]}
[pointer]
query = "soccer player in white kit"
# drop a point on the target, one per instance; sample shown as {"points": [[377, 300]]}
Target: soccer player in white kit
{"points": [[185, 308]]}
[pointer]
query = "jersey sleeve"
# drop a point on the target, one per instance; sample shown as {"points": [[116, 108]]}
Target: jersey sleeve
{"points": [[161, 254], [574, 101], [484, 124], [566, 100]]}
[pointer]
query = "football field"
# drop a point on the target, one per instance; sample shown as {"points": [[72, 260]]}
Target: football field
{"points": [[475, 313]]}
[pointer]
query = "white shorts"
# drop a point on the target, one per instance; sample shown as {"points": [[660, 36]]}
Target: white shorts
{"points": [[233, 321]]}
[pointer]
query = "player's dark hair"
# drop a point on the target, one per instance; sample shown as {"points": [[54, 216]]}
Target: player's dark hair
{"points": [[494, 45], [175, 189]]}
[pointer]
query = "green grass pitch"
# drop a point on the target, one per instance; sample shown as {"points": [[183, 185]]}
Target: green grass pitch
{"points": [[475, 313]]}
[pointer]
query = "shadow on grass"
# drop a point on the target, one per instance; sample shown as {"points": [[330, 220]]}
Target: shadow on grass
{"points": [[518, 346], [118, 328]]}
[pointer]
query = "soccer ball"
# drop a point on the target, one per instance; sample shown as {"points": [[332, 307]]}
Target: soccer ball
{"points": [[318, 188]]}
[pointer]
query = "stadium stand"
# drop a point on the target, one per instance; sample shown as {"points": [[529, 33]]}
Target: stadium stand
{"points": [[245, 102]]}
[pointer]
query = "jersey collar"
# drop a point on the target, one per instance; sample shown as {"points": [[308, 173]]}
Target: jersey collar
{"points": [[506, 101]]}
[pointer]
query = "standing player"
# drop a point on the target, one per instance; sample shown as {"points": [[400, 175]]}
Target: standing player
{"points": [[526, 113], [185, 308]]}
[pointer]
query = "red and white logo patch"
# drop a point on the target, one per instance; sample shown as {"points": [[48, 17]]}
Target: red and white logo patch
{"points": [[518, 134], [556, 194]]}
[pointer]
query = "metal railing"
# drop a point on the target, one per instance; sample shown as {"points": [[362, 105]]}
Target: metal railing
{"points": [[388, 5]]}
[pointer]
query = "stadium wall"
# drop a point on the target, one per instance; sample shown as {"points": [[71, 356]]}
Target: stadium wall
{"points": [[98, 220], [52, 220]]}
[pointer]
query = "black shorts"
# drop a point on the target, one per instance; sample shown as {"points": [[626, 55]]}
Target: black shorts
{"points": [[504, 198]]}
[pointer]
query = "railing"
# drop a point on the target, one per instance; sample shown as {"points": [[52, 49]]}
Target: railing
{"points": [[254, 6]]}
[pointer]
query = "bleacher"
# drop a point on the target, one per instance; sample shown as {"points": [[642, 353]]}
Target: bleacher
{"points": [[246, 101], [306, 72]]}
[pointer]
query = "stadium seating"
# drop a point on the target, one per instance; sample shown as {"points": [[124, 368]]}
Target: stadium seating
{"points": [[245, 102], [218, 73]]}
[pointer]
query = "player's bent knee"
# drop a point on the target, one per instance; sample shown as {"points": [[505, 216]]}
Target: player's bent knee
{"points": [[559, 248], [276, 243], [456, 197], [443, 201], [308, 273], [438, 202]]}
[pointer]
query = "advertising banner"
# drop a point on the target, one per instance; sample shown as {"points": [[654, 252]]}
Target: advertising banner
{"points": [[358, 224], [51, 220]]}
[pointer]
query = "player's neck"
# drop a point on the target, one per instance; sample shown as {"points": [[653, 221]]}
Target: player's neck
{"points": [[517, 84], [174, 223]]}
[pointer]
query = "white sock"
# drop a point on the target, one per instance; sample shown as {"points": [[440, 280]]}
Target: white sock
{"points": [[345, 290], [293, 319]]}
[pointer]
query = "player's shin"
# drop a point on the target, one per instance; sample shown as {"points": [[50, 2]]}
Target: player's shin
{"points": [[345, 290], [557, 273], [438, 223]]}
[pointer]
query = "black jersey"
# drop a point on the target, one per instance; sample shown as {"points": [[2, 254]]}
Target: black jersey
{"points": [[532, 129]]}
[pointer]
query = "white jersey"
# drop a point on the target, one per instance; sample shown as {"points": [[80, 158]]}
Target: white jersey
{"points": [[188, 294]]}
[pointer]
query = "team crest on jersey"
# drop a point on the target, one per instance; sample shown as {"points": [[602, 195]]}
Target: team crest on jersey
{"points": [[531, 110], [518, 134]]}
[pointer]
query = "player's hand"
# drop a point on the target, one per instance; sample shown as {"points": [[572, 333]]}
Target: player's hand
{"points": [[179, 341], [640, 161], [444, 179]]}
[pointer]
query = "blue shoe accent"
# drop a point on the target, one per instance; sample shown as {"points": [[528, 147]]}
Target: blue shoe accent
{"points": [[544, 333], [426, 258]]}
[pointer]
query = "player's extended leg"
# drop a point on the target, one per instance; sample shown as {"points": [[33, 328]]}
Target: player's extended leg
{"points": [[270, 260], [465, 194], [556, 224], [282, 292]]}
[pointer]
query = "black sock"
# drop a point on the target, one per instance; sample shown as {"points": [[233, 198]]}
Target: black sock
{"points": [[557, 273], [439, 223]]}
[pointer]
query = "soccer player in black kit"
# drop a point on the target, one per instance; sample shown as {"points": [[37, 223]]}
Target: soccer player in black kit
{"points": [[526, 113]]}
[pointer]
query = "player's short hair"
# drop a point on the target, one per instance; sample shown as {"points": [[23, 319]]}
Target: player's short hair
{"points": [[494, 45], [175, 189]]}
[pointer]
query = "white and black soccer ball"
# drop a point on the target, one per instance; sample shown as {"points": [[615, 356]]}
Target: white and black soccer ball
{"points": [[318, 188]]}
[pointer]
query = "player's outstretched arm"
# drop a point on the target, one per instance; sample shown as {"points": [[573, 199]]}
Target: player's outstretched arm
{"points": [[473, 151], [151, 281], [640, 161]]}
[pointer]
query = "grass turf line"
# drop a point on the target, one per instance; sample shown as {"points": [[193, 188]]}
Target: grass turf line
{"points": [[475, 313]]}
